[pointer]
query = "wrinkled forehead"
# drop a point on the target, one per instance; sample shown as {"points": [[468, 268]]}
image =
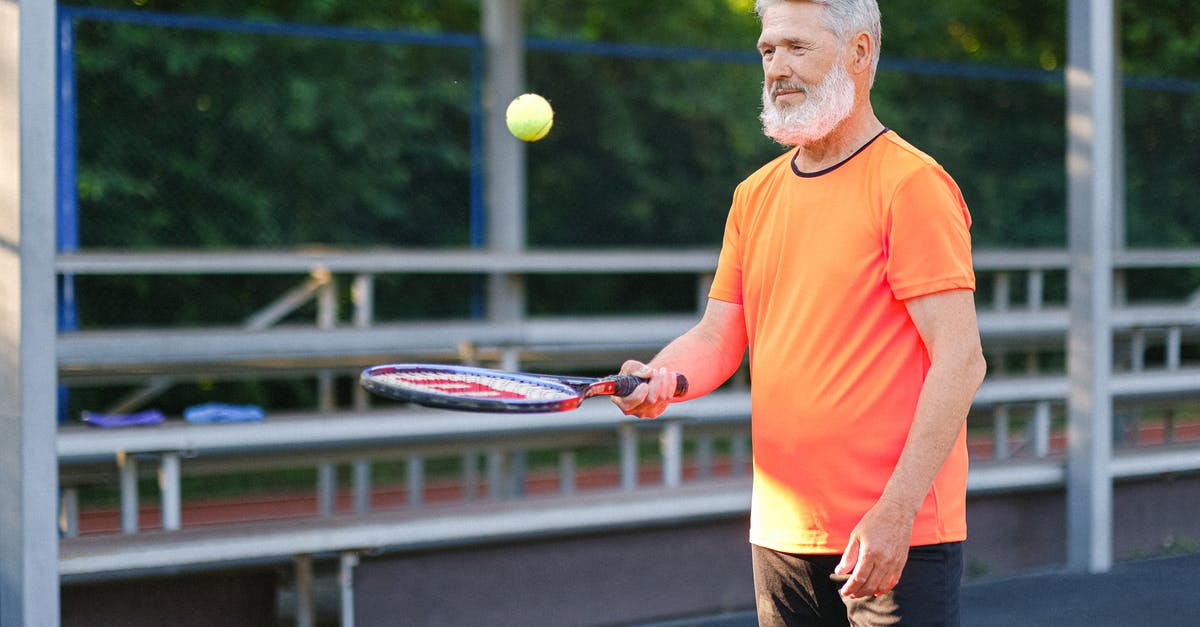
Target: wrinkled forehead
{"points": [[791, 21]]}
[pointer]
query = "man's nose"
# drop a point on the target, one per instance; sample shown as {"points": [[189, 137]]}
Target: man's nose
{"points": [[777, 67]]}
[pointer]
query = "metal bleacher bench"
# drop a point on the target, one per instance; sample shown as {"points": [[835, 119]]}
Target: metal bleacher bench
{"points": [[304, 438]]}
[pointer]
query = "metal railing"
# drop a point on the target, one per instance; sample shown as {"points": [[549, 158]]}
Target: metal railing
{"points": [[697, 470], [330, 345]]}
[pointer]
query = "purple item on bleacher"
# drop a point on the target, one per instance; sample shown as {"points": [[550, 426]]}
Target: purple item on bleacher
{"points": [[223, 412], [148, 417]]}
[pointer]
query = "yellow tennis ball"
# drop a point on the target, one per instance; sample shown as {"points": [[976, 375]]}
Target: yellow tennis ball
{"points": [[529, 117]]}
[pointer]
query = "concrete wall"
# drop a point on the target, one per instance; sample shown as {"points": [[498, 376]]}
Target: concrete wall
{"points": [[1019, 532], [592, 580], [229, 599], [623, 577]]}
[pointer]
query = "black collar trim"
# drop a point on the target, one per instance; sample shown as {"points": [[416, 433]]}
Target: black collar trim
{"points": [[809, 175]]}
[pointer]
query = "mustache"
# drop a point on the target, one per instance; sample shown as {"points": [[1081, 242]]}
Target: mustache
{"points": [[787, 86]]}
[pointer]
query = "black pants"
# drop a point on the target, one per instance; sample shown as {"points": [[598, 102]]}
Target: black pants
{"points": [[802, 591]]}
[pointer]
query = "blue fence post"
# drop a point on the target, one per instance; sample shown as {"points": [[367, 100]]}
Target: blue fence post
{"points": [[67, 214], [478, 212]]}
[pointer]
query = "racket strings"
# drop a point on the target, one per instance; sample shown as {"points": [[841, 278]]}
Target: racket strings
{"points": [[473, 386]]}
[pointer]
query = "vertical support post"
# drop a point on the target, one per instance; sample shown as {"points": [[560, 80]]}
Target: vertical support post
{"points": [[1041, 429], [415, 480], [128, 472], [68, 515], [628, 445], [349, 560], [170, 487], [705, 456], [1174, 356], [739, 454], [1137, 350], [566, 472], [497, 486], [1000, 420], [306, 604], [67, 183], [327, 314], [1092, 168], [28, 384], [1035, 289], [503, 38], [1002, 291], [362, 485], [326, 487], [470, 475], [505, 474], [518, 472], [362, 293], [671, 446]]}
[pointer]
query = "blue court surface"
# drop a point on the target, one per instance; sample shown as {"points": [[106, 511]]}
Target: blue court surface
{"points": [[1163, 592]]}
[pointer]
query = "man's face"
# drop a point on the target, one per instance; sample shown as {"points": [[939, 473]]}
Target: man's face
{"points": [[807, 90]]}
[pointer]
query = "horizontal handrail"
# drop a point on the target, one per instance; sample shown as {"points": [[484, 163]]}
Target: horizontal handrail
{"points": [[227, 345], [89, 349], [550, 261], [428, 261], [403, 425], [1159, 382], [457, 526]]}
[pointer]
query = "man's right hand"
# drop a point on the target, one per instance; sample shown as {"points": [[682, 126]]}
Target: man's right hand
{"points": [[650, 399]]}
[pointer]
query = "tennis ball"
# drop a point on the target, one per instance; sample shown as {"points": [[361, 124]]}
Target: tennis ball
{"points": [[529, 117]]}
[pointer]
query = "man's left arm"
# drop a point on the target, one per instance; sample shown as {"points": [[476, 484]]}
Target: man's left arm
{"points": [[879, 545]]}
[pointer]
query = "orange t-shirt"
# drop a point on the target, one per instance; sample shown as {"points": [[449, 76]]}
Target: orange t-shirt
{"points": [[822, 265]]}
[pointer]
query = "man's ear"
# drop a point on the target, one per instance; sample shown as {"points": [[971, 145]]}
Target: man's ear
{"points": [[862, 49]]}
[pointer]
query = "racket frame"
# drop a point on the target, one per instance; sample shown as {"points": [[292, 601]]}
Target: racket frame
{"points": [[574, 389]]}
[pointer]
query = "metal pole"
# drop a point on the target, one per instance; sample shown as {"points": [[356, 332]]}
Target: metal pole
{"points": [[128, 472], [503, 37], [306, 604], [1092, 120], [671, 447], [348, 561], [28, 384], [170, 484], [627, 438]]}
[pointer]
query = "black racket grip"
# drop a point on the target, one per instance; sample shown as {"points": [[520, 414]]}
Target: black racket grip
{"points": [[625, 384]]}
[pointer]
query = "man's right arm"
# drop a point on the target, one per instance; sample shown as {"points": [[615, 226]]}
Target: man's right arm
{"points": [[707, 354]]}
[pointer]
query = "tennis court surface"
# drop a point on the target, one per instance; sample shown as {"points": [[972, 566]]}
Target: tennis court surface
{"points": [[1162, 592]]}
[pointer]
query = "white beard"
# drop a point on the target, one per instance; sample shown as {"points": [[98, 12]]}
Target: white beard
{"points": [[825, 105]]}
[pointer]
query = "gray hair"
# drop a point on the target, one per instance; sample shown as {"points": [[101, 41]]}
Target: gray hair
{"points": [[844, 18]]}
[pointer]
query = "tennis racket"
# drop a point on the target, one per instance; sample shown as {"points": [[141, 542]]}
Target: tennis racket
{"points": [[484, 390]]}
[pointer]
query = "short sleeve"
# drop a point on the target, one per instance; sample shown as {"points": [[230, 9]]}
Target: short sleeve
{"points": [[727, 284], [928, 240]]}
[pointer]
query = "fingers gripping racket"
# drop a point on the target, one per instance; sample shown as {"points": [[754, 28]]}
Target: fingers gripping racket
{"points": [[481, 389]]}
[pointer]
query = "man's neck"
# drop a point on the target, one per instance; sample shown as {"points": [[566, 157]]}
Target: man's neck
{"points": [[842, 142]]}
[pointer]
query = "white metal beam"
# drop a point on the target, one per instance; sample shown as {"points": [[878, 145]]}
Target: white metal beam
{"points": [[504, 169], [1092, 169], [28, 473]]}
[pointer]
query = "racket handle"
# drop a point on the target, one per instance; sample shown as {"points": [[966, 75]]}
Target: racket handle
{"points": [[625, 384]]}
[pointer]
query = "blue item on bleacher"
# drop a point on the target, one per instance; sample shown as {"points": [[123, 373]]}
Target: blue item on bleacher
{"points": [[223, 412], [148, 417]]}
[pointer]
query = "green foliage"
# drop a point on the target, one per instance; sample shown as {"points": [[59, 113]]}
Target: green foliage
{"points": [[201, 139]]}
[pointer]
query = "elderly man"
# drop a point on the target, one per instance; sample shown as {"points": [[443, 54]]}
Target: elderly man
{"points": [[846, 270]]}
